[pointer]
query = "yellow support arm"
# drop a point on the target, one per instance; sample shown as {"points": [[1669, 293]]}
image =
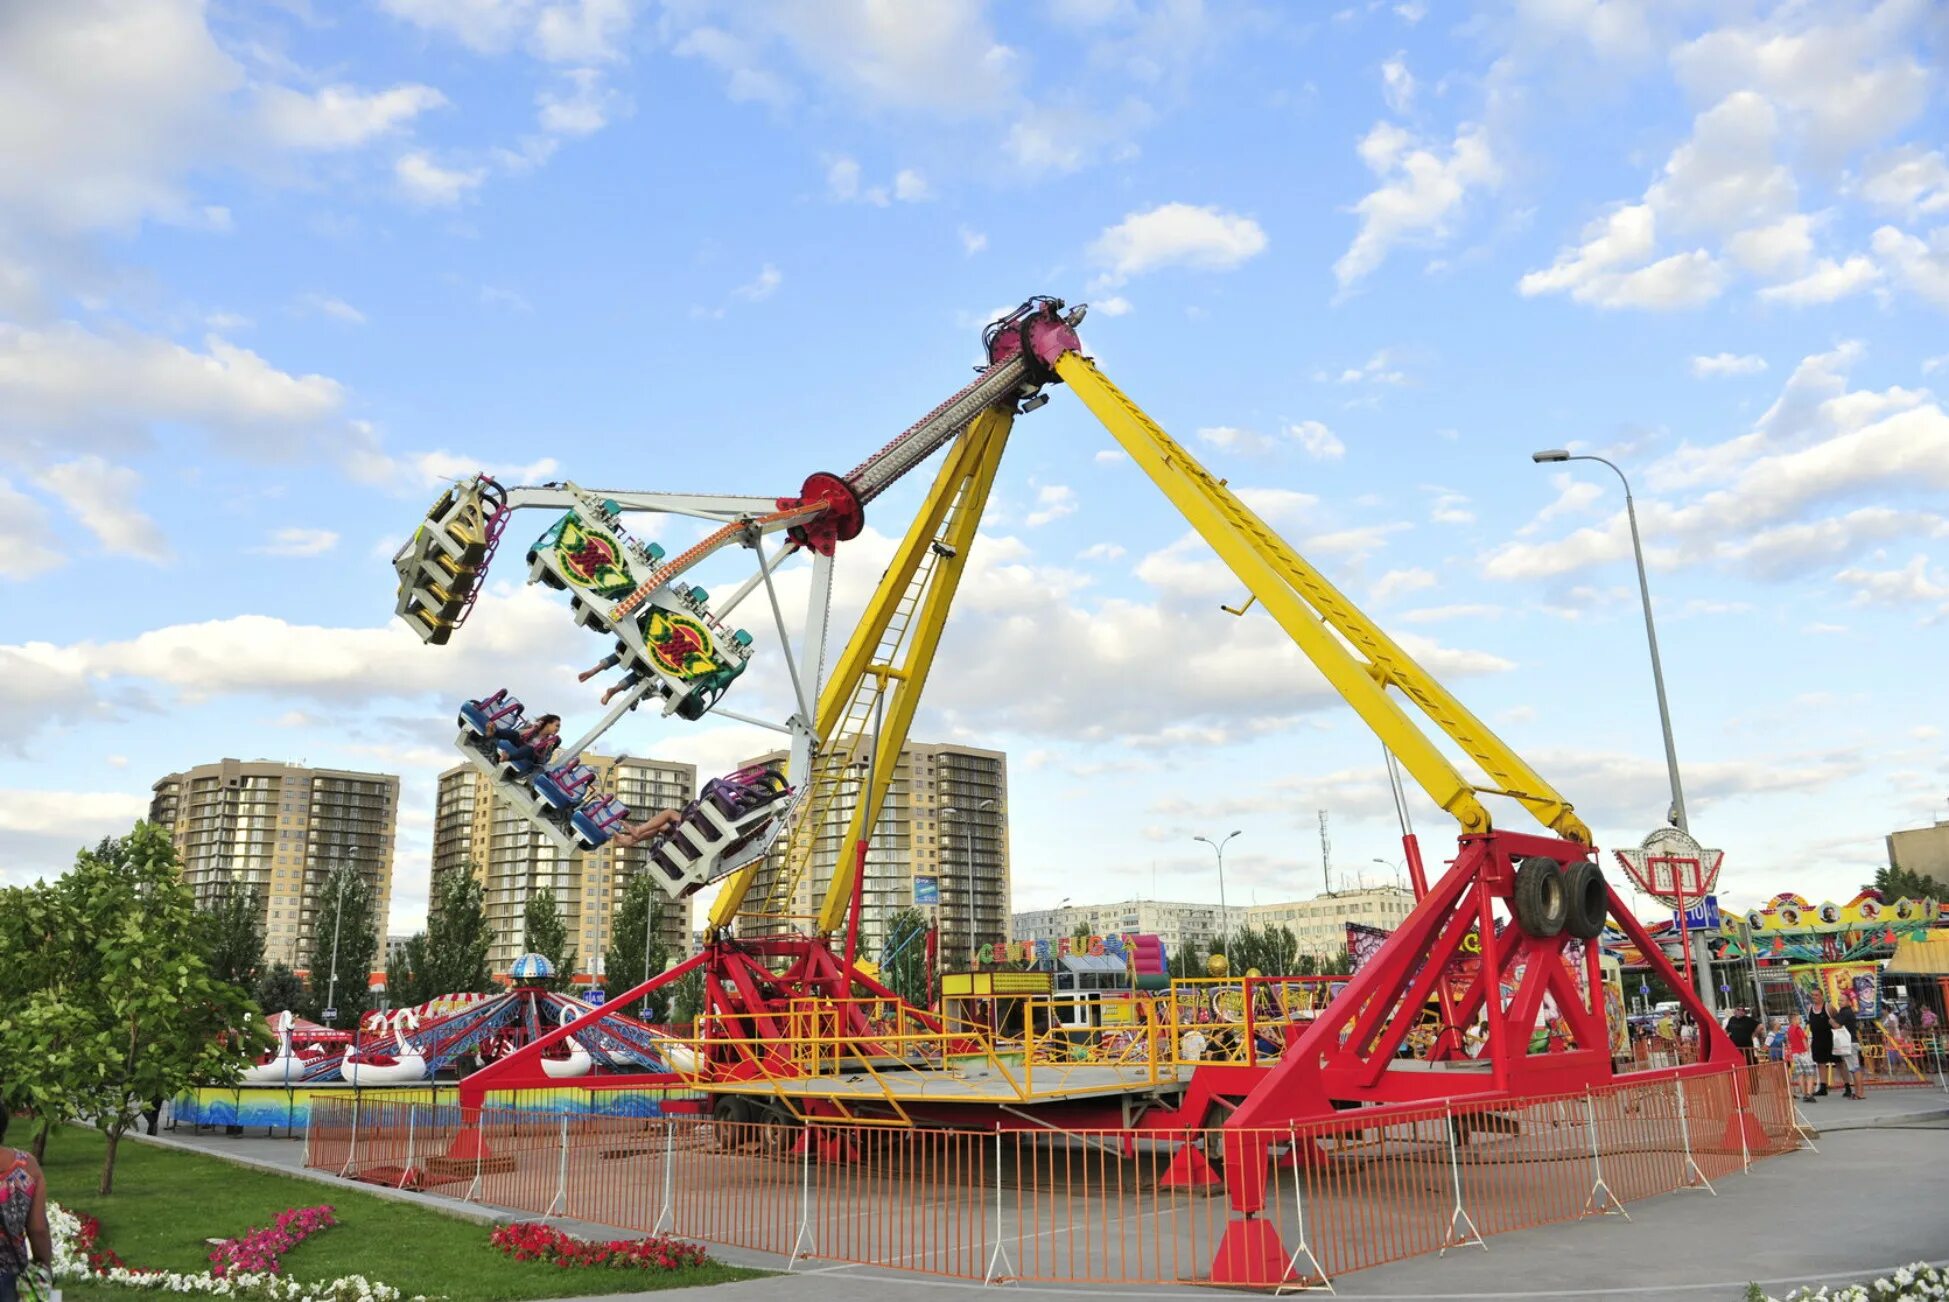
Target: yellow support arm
{"points": [[1317, 616]]}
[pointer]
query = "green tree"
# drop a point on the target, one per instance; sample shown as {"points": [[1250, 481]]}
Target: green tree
{"points": [[543, 932], [345, 940], [905, 972], [1185, 961], [457, 936], [636, 952], [1338, 963], [46, 966], [1274, 951], [1906, 884], [234, 923], [687, 998], [157, 1019], [278, 989], [1080, 936], [406, 974]]}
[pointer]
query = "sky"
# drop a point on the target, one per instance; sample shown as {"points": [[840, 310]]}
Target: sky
{"points": [[272, 274]]}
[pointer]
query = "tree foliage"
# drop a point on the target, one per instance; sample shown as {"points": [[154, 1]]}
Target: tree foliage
{"points": [[407, 973], [904, 969], [457, 936], [345, 940], [46, 974], [544, 933], [687, 998], [636, 952], [1273, 951], [234, 923], [156, 1019], [277, 989], [1907, 884]]}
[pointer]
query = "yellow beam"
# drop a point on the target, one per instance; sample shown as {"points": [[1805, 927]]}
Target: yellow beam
{"points": [[987, 435], [1312, 611]]}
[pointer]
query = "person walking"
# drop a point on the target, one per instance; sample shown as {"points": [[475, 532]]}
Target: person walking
{"points": [[1801, 1057], [23, 1226], [1848, 1058], [1821, 1042]]}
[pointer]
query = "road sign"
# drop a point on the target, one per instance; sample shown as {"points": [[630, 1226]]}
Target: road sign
{"points": [[594, 997], [1701, 915], [1669, 864], [927, 890], [330, 1015]]}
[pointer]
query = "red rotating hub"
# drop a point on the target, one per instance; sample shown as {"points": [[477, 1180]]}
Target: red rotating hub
{"points": [[840, 522]]}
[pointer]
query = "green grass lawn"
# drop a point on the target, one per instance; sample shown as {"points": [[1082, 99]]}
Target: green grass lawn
{"points": [[166, 1203]]}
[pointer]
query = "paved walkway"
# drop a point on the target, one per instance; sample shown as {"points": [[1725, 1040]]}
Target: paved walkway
{"points": [[1871, 1199]]}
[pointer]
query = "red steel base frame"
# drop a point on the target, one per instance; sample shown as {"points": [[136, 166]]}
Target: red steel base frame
{"points": [[1347, 1054]]}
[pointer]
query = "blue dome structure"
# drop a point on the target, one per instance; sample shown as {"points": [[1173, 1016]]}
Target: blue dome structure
{"points": [[532, 967]]}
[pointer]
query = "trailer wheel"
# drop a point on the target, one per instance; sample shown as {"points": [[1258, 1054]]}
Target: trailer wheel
{"points": [[1589, 898], [1541, 902]]}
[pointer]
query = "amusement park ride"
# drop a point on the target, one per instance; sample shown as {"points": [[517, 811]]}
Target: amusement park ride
{"points": [[794, 1029]]}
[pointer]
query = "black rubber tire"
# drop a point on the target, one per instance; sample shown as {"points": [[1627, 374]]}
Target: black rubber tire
{"points": [[1540, 903], [1589, 900]]}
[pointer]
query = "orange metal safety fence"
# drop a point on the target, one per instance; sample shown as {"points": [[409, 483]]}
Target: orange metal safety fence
{"points": [[1079, 1207]]}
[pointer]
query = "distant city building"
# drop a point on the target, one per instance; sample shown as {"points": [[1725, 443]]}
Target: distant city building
{"points": [[1321, 922], [395, 942], [1923, 850], [476, 830], [1179, 924], [940, 843], [280, 829]]}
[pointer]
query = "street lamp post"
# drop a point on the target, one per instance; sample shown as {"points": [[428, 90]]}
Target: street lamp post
{"points": [[967, 851], [338, 917], [1224, 914], [1677, 812], [1395, 866]]}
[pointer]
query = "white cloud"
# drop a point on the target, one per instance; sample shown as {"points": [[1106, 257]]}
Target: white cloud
{"points": [[1103, 551], [1177, 234], [102, 497], [1111, 456], [1052, 502], [1598, 271], [1233, 439], [746, 80], [416, 471], [298, 542], [1419, 194], [1396, 583], [584, 110], [1829, 280], [1397, 85], [569, 31], [1114, 305], [910, 186], [336, 308], [1908, 181], [484, 26], [1778, 249], [762, 286], [582, 31], [24, 534], [1728, 364], [1275, 504], [1061, 137], [424, 181], [340, 117], [1724, 177], [1911, 585], [45, 827], [64, 384], [104, 105], [972, 241], [1921, 265], [842, 178], [1450, 507], [1317, 441]]}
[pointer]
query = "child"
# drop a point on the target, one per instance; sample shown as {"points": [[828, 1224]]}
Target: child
{"points": [[1800, 1053]]}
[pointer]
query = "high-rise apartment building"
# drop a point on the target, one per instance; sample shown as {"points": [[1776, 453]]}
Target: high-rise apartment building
{"points": [[1181, 925], [474, 828], [1320, 923], [940, 843], [280, 828]]}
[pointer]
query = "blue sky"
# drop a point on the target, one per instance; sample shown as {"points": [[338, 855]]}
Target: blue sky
{"points": [[270, 273]]}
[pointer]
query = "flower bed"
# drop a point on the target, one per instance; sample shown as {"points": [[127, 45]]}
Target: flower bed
{"points": [[533, 1241], [1920, 1282], [261, 1250]]}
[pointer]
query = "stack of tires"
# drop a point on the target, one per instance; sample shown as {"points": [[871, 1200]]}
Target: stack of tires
{"points": [[1551, 897]]}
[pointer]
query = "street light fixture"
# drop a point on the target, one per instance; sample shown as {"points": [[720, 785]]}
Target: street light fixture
{"points": [[967, 851], [1677, 812], [1224, 914], [338, 916], [1395, 866]]}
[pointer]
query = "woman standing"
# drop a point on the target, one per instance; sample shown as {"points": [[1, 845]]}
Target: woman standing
{"points": [[23, 1224], [1822, 1035]]}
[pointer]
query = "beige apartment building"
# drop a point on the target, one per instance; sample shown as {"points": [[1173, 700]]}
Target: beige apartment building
{"points": [[475, 829], [280, 828], [1180, 924], [940, 843], [1321, 922]]}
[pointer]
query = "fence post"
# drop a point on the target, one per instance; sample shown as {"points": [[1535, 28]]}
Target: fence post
{"points": [[1745, 1153], [412, 1116], [804, 1241], [352, 1153], [1299, 1212], [474, 1189], [1460, 1217], [667, 1218], [1608, 1202], [1000, 1254], [561, 1176], [1694, 1177]]}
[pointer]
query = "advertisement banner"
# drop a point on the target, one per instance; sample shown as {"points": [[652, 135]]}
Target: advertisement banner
{"points": [[927, 891]]}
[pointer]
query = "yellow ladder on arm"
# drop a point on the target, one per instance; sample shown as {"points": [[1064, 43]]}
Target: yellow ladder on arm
{"points": [[1357, 658]]}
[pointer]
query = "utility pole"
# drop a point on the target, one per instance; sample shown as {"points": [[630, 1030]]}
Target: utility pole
{"points": [[1326, 855], [338, 917]]}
